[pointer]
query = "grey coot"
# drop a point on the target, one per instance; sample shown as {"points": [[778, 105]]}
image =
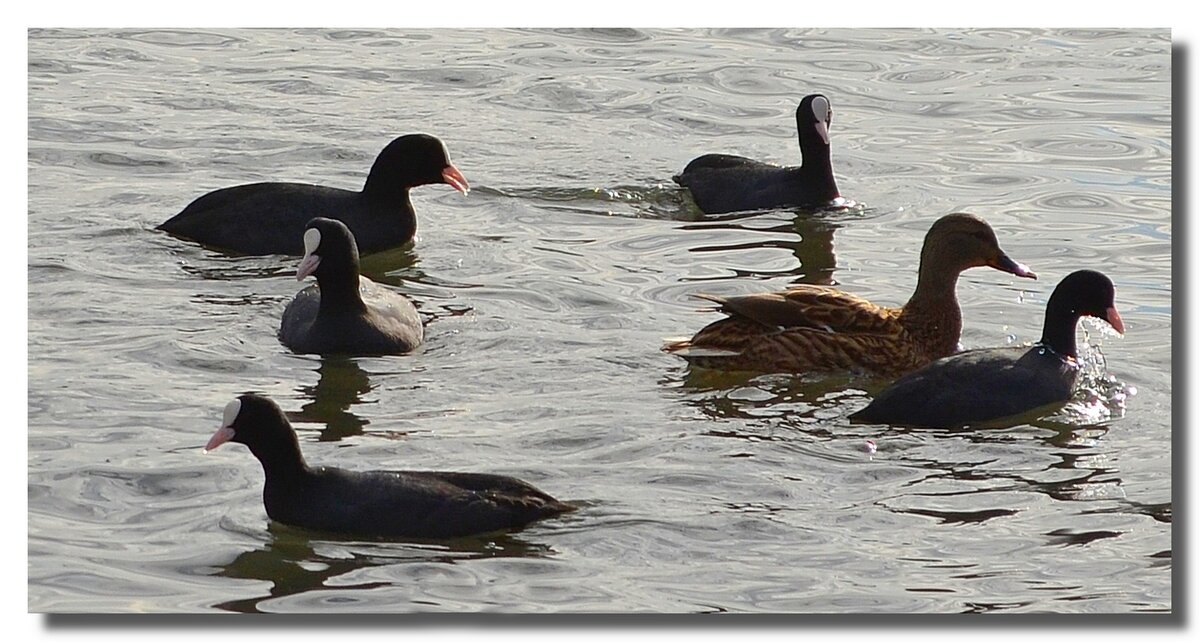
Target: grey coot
{"points": [[987, 385], [345, 313], [405, 504], [722, 183], [269, 218]]}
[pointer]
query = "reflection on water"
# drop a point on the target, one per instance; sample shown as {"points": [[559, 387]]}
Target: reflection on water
{"points": [[389, 265], [295, 564], [956, 476], [341, 384], [747, 396], [813, 248], [233, 268]]}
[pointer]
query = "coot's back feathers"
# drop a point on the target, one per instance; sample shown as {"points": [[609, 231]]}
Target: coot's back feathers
{"points": [[269, 218]]}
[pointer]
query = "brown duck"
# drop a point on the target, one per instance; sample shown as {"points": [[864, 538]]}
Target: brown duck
{"points": [[810, 328]]}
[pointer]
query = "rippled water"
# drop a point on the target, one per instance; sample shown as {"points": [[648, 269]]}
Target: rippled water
{"points": [[550, 289]]}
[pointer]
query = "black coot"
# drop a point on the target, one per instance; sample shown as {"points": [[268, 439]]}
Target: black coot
{"points": [[987, 385], [416, 504], [345, 313], [722, 183], [269, 218]]}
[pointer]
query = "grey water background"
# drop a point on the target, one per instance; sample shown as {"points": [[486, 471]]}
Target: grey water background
{"points": [[549, 290]]}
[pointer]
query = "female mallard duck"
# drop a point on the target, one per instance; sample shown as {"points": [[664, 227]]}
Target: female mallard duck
{"points": [[817, 328], [345, 313], [722, 183], [989, 385]]}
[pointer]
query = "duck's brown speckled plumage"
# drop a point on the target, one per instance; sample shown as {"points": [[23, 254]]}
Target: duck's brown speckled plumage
{"points": [[810, 328]]}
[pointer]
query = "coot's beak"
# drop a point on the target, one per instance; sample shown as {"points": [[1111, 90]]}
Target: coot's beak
{"points": [[455, 179], [223, 434], [1005, 264], [308, 265], [1114, 320]]}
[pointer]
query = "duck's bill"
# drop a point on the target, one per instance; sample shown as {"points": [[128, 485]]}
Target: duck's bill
{"points": [[224, 434], [1114, 320], [1005, 264], [455, 179], [308, 265]]}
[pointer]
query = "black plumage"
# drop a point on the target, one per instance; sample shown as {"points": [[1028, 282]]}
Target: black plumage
{"points": [[988, 385], [345, 313], [722, 183], [377, 503], [269, 218]]}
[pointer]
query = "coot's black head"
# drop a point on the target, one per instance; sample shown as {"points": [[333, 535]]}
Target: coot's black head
{"points": [[813, 117], [258, 423], [1081, 293], [412, 160], [956, 242], [329, 250]]}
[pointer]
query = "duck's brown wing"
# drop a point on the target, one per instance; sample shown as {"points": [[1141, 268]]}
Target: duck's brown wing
{"points": [[802, 329], [809, 306]]}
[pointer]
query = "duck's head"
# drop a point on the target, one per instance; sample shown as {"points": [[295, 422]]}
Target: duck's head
{"points": [[960, 241]]}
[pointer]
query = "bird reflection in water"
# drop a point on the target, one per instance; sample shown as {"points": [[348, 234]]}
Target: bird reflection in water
{"points": [[341, 384], [808, 235], [295, 563]]}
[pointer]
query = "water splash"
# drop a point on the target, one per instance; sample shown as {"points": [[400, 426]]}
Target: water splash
{"points": [[1099, 396]]}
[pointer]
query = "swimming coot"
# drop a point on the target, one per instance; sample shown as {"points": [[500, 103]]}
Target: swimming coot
{"points": [[345, 313], [987, 385], [401, 503], [269, 218], [722, 183]]}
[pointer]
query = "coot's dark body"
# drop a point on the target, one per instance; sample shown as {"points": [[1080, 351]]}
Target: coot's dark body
{"points": [[345, 313], [990, 385], [967, 388], [404, 503], [407, 504], [269, 218], [721, 183]]}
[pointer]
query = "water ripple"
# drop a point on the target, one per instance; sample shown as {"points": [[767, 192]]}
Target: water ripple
{"points": [[176, 38]]}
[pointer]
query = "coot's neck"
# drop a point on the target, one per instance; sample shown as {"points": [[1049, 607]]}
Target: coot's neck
{"points": [[282, 462], [1058, 333], [817, 167], [339, 289], [384, 188]]}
